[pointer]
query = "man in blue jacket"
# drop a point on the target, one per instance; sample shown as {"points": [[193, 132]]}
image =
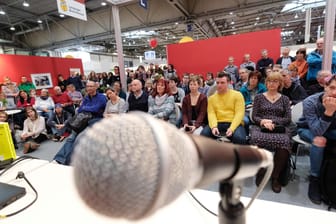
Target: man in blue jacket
{"points": [[318, 126], [93, 103], [314, 60]]}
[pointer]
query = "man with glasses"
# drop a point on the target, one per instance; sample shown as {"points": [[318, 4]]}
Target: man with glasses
{"points": [[93, 103]]}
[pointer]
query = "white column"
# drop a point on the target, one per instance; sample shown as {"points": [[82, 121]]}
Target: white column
{"points": [[308, 22], [329, 27], [117, 35]]}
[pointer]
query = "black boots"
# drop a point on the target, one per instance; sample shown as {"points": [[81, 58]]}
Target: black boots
{"points": [[314, 191]]}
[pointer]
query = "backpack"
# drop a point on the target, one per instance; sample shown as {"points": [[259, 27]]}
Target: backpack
{"points": [[328, 176]]}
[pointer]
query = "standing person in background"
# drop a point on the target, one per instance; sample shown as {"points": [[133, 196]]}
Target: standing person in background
{"points": [[285, 60], [263, 63], [62, 83], [25, 85], [171, 72], [75, 96], [75, 80], [232, 70], [300, 63], [115, 76], [314, 60], [247, 63]]}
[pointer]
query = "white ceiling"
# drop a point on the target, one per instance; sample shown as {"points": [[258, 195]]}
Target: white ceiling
{"points": [[166, 20]]}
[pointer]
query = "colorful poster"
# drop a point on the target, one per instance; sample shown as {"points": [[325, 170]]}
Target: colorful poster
{"points": [[73, 8]]}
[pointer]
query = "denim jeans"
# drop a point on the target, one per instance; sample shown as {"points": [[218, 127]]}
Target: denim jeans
{"points": [[316, 153], [64, 155], [238, 136]]}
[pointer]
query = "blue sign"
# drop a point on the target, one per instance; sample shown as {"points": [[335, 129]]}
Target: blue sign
{"points": [[143, 3]]}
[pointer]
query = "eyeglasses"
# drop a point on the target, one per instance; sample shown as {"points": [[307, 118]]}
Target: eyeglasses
{"points": [[273, 81]]}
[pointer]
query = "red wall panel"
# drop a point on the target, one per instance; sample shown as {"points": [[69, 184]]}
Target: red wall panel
{"points": [[15, 66], [211, 55]]}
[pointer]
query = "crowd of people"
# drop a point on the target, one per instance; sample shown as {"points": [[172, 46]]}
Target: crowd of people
{"points": [[247, 104]]}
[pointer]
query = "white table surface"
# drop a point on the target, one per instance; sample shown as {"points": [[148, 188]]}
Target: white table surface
{"points": [[59, 202]]}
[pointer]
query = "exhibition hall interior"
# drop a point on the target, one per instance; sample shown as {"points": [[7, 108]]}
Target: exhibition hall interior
{"points": [[167, 111]]}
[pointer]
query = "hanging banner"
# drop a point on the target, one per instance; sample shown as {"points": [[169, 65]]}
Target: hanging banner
{"points": [[73, 8]]}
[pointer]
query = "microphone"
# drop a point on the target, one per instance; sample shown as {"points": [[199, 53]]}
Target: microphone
{"points": [[128, 166]]}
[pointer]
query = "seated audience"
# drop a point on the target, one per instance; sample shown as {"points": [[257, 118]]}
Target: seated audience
{"points": [[243, 78], [252, 88], [226, 112], [137, 99], [58, 123], [5, 104], [75, 80], [62, 83], [295, 92], [285, 60], [185, 83], [247, 63], [263, 63], [300, 63], [75, 95], [93, 103], [10, 89], [272, 110], [118, 90], [210, 79], [34, 131], [203, 88], [176, 92], [25, 85], [63, 99], [318, 126], [321, 78], [149, 86], [44, 104], [25, 100], [115, 104], [232, 70], [194, 108], [161, 103]]}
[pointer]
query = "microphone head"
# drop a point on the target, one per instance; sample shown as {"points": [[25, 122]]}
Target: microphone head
{"points": [[130, 165]]}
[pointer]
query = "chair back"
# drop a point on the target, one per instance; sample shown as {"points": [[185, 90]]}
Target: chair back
{"points": [[297, 112]]}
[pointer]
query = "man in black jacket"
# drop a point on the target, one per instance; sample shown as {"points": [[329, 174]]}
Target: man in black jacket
{"points": [[295, 92]]}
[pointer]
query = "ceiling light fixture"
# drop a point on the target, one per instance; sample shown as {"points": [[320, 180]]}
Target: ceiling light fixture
{"points": [[103, 3], [287, 24], [12, 28], [2, 12], [232, 22], [296, 16], [25, 3], [39, 21], [257, 18], [62, 16]]}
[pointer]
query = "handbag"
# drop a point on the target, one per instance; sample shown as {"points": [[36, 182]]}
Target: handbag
{"points": [[277, 129], [80, 121]]}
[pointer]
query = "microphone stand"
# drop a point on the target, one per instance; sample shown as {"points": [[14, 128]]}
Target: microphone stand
{"points": [[230, 208]]}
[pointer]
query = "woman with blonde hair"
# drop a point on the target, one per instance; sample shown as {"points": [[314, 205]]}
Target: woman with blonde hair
{"points": [[272, 115]]}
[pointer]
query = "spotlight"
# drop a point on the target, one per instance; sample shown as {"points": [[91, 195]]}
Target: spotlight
{"points": [[39, 21], [25, 4], [103, 3], [62, 16], [2, 12], [12, 28]]}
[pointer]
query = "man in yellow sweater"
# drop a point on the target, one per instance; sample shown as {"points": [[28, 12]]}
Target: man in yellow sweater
{"points": [[226, 110]]}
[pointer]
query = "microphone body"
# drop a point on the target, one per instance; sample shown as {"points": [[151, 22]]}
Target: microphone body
{"points": [[129, 166]]}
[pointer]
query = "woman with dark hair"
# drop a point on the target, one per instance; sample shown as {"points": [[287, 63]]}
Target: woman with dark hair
{"points": [[34, 131], [300, 63], [272, 115], [62, 82], [171, 72], [194, 108], [115, 105], [25, 100], [161, 103], [252, 88]]}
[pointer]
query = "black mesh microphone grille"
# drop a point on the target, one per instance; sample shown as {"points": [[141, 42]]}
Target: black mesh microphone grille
{"points": [[131, 165]]}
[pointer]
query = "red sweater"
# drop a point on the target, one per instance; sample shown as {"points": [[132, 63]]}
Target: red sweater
{"points": [[62, 99]]}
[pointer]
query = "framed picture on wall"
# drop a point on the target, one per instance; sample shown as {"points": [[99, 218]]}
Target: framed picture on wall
{"points": [[42, 80]]}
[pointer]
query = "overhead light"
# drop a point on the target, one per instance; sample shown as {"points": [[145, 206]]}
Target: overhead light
{"points": [[2, 12], [296, 16], [12, 28], [324, 11], [231, 13], [103, 3], [232, 22], [25, 3], [62, 16], [255, 23], [233, 27], [257, 18], [39, 21], [287, 24]]}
